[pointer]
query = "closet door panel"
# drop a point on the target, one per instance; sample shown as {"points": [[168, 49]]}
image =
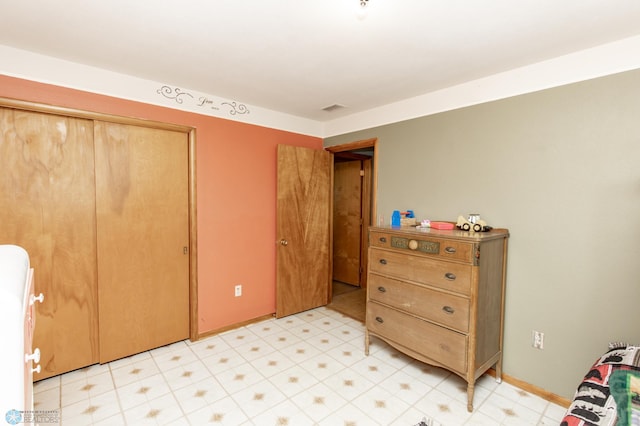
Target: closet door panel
{"points": [[47, 200], [142, 238]]}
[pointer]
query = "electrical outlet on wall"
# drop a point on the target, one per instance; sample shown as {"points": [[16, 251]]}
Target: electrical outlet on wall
{"points": [[537, 339], [238, 290]]}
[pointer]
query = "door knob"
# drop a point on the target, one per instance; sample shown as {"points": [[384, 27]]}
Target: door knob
{"points": [[284, 242], [33, 299], [35, 356]]}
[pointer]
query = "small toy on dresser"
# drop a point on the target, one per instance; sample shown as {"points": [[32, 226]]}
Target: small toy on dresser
{"points": [[434, 224], [406, 218], [473, 223]]}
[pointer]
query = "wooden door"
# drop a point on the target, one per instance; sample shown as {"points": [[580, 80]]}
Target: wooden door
{"points": [[143, 238], [347, 221], [303, 229], [47, 206]]}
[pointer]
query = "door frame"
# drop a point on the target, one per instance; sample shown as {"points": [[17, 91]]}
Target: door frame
{"points": [[191, 131], [353, 146]]}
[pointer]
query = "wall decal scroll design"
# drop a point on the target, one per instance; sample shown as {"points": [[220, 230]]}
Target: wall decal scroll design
{"points": [[178, 95], [236, 108], [175, 94]]}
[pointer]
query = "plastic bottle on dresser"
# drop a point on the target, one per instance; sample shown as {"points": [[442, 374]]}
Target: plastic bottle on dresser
{"points": [[395, 219]]}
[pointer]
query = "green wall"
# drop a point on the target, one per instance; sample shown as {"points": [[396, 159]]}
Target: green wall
{"points": [[560, 168]]}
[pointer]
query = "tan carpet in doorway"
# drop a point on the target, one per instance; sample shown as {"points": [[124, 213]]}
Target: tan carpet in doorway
{"points": [[351, 304]]}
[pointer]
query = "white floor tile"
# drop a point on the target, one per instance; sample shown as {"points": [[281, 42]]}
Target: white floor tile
{"points": [[283, 414], [304, 369], [272, 364], [258, 398], [350, 415], [142, 391], [92, 410], [373, 369], [48, 399], [209, 347], [347, 353], [238, 337], [281, 339], [521, 397], [381, 404], [239, 377], [254, 349], [224, 412], [84, 373], [554, 413], [173, 356], [349, 384], [186, 375], [319, 401], [137, 369], [322, 366], [405, 387], [223, 361], [163, 410], [50, 383], [199, 395], [509, 412], [444, 408], [85, 387], [293, 380]]}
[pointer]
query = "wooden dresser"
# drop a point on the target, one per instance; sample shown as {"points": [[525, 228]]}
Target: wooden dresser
{"points": [[438, 296]]}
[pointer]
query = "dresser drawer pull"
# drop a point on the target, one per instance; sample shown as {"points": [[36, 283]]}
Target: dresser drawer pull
{"points": [[450, 276], [379, 319], [382, 289], [450, 250], [383, 261], [448, 310], [383, 240]]}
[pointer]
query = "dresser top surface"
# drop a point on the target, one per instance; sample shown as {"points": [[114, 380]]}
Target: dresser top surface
{"points": [[456, 234]]}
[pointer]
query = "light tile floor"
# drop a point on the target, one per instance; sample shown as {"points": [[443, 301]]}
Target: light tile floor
{"points": [[306, 369]]}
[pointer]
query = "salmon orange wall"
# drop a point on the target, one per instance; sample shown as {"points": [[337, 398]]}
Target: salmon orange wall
{"points": [[236, 198]]}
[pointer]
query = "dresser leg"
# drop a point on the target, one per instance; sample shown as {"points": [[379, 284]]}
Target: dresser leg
{"points": [[499, 371], [366, 342], [470, 389]]}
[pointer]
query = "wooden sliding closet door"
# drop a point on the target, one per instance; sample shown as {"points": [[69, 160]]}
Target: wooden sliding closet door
{"points": [[142, 238], [47, 206]]}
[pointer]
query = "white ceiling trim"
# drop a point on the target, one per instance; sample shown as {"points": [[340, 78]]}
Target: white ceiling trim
{"points": [[611, 58], [603, 60], [45, 69]]}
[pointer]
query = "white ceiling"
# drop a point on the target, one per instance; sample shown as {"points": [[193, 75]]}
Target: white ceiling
{"points": [[299, 56]]}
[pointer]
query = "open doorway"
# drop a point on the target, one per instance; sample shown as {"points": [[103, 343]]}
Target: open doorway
{"points": [[354, 207]]}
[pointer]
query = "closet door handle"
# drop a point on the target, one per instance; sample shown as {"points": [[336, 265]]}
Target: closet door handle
{"points": [[450, 276], [448, 310], [382, 289], [383, 261]]}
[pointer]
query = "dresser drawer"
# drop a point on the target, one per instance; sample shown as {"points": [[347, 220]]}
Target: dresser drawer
{"points": [[434, 342], [446, 309], [438, 247], [447, 275]]}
